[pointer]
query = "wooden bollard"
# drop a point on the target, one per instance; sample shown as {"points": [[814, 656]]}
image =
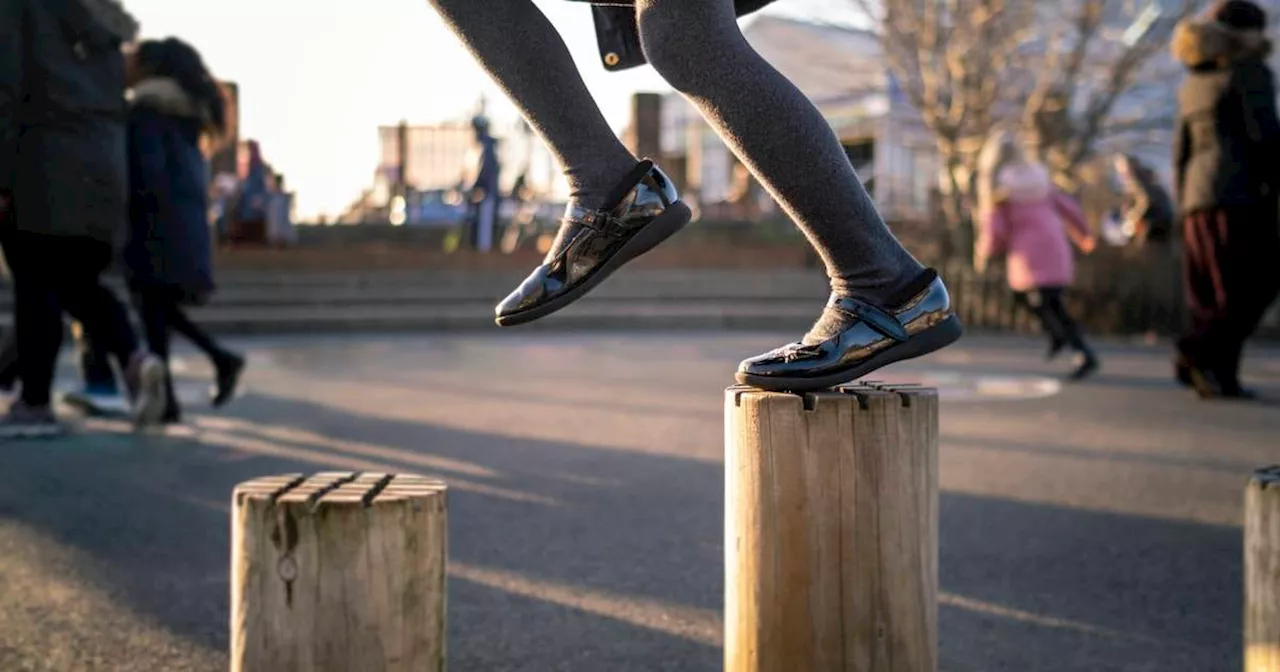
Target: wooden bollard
{"points": [[1262, 571], [831, 530], [338, 572]]}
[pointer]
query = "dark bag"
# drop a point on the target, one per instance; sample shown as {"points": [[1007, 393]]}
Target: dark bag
{"points": [[618, 36], [1160, 216]]}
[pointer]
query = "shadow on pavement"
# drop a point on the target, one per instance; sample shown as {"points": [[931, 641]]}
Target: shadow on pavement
{"points": [[573, 557]]}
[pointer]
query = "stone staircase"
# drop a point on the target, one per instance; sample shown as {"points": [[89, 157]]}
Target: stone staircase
{"points": [[265, 302]]}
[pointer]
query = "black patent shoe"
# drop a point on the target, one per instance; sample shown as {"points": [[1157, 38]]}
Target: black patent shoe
{"points": [[1182, 373], [1232, 389], [1206, 383], [1087, 367], [875, 337], [592, 244], [227, 371]]}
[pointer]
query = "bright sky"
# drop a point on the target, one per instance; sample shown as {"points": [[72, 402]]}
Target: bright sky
{"points": [[317, 77]]}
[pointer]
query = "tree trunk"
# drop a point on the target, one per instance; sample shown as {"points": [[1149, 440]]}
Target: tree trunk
{"points": [[956, 187]]}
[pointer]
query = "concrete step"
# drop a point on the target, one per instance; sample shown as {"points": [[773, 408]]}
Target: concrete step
{"points": [[586, 314], [343, 290]]}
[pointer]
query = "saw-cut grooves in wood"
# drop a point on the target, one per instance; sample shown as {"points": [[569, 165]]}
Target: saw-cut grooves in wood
{"points": [[277, 491], [831, 529], [859, 390], [338, 572]]}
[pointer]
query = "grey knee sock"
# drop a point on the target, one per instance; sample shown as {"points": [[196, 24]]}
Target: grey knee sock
{"points": [[525, 55], [781, 137]]}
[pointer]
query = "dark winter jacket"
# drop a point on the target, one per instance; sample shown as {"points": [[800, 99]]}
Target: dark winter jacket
{"points": [[169, 239], [1147, 202], [62, 115], [618, 36], [488, 168], [1227, 143]]}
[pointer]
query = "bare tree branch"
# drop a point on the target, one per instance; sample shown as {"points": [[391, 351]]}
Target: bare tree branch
{"points": [[1057, 68]]}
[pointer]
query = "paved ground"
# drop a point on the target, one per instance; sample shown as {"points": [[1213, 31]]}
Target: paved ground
{"points": [[1090, 528]]}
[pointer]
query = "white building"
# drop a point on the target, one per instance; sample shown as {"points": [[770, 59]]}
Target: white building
{"points": [[843, 72], [440, 156]]}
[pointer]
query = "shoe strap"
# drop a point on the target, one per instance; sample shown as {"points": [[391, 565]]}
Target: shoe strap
{"points": [[881, 320], [596, 220]]}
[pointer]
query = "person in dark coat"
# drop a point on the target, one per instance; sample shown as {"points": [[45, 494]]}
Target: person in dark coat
{"points": [[1147, 211], [883, 306], [484, 196], [1228, 185], [249, 204], [168, 258], [63, 183]]}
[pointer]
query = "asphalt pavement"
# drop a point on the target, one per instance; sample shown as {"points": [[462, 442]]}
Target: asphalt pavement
{"points": [[1091, 527]]}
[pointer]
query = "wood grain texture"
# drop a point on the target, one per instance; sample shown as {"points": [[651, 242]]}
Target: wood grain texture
{"points": [[338, 571], [1262, 571], [831, 530]]}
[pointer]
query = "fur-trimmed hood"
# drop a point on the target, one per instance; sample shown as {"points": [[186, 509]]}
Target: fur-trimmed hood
{"points": [[1199, 42], [110, 14], [1023, 183], [166, 96]]}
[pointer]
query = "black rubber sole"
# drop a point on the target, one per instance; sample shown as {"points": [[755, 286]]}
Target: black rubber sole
{"points": [[676, 216], [935, 338]]}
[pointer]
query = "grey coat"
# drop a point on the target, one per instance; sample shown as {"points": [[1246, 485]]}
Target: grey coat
{"points": [[62, 116], [1228, 134]]}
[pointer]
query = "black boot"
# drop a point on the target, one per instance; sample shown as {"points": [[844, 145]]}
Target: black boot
{"points": [[1205, 382], [1182, 372], [1087, 367], [644, 210], [172, 411], [1055, 347], [867, 338], [1232, 388], [227, 368]]}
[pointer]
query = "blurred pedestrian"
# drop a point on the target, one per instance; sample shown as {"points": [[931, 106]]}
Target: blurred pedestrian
{"points": [[1023, 217], [168, 258], [1227, 174], [1148, 229], [98, 394], [248, 212], [1147, 214], [63, 170], [484, 196], [884, 306]]}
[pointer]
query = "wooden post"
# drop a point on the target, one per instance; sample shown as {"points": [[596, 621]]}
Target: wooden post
{"points": [[338, 572], [831, 530], [1262, 571]]}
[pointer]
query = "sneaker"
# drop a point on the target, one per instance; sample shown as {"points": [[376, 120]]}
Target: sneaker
{"points": [[97, 401], [29, 422], [147, 390]]}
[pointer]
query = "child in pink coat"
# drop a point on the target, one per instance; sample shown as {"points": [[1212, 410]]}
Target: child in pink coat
{"points": [[1027, 220]]}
